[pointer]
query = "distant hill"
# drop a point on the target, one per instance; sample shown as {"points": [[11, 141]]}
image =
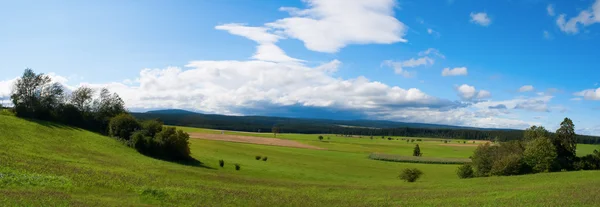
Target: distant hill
{"points": [[328, 126], [171, 111]]}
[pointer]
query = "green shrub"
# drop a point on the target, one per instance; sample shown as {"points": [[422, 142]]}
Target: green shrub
{"points": [[410, 174], [508, 165], [465, 171], [483, 159], [237, 166], [172, 144], [417, 151], [221, 163], [257, 157], [265, 159], [419, 140], [122, 126], [321, 138], [152, 127], [541, 155]]}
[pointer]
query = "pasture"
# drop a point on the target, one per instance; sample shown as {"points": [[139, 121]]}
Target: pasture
{"points": [[42, 163]]}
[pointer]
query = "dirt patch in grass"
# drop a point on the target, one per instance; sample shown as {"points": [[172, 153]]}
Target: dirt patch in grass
{"points": [[252, 140]]}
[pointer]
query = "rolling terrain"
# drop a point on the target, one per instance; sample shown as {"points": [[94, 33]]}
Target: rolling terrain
{"points": [[46, 164]]}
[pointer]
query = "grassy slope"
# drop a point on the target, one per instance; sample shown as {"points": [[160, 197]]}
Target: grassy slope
{"points": [[46, 164]]}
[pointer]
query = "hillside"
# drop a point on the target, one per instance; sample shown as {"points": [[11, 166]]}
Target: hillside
{"points": [[48, 164]]}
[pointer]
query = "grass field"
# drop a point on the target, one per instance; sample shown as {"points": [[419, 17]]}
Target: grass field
{"points": [[44, 164]]}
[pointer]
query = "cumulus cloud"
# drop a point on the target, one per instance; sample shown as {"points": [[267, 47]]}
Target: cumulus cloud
{"points": [[266, 49], [550, 10], [585, 18], [399, 67], [6, 88], [589, 94], [468, 93], [526, 88], [328, 25], [454, 72], [481, 18]]}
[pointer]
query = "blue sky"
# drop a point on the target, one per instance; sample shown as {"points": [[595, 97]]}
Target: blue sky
{"points": [[509, 64]]}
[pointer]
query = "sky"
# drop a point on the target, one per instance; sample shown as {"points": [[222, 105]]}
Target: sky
{"points": [[492, 64]]}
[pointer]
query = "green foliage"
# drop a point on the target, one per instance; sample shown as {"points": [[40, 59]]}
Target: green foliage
{"points": [[566, 144], [511, 164], [417, 151], [221, 163], [588, 162], [265, 158], [82, 99], [321, 138], [410, 174], [535, 132], [35, 96], [465, 171], [540, 154], [152, 127], [173, 144], [237, 166], [258, 157], [483, 159], [122, 126]]}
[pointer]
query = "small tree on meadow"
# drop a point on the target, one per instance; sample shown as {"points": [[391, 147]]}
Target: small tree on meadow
{"points": [[465, 171], [417, 151], [321, 138], [410, 175]]}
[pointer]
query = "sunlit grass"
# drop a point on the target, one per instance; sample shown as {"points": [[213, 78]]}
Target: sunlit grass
{"points": [[54, 165]]}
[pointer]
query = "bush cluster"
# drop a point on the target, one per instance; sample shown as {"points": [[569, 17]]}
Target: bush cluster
{"points": [[410, 174], [539, 151], [151, 137]]}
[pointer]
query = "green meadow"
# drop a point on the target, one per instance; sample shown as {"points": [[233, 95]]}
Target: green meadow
{"points": [[46, 164]]}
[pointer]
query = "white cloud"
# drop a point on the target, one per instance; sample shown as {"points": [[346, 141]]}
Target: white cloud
{"points": [[6, 88], [433, 51], [454, 72], [550, 10], [399, 67], [589, 94], [328, 25], [547, 35], [260, 35], [468, 93], [266, 49], [481, 18], [433, 33], [526, 88], [585, 18]]}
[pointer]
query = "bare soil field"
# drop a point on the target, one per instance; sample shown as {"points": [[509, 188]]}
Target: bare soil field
{"points": [[252, 140]]}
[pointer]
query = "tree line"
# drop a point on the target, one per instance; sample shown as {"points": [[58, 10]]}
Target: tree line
{"points": [[35, 96], [319, 126], [537, 151]]}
